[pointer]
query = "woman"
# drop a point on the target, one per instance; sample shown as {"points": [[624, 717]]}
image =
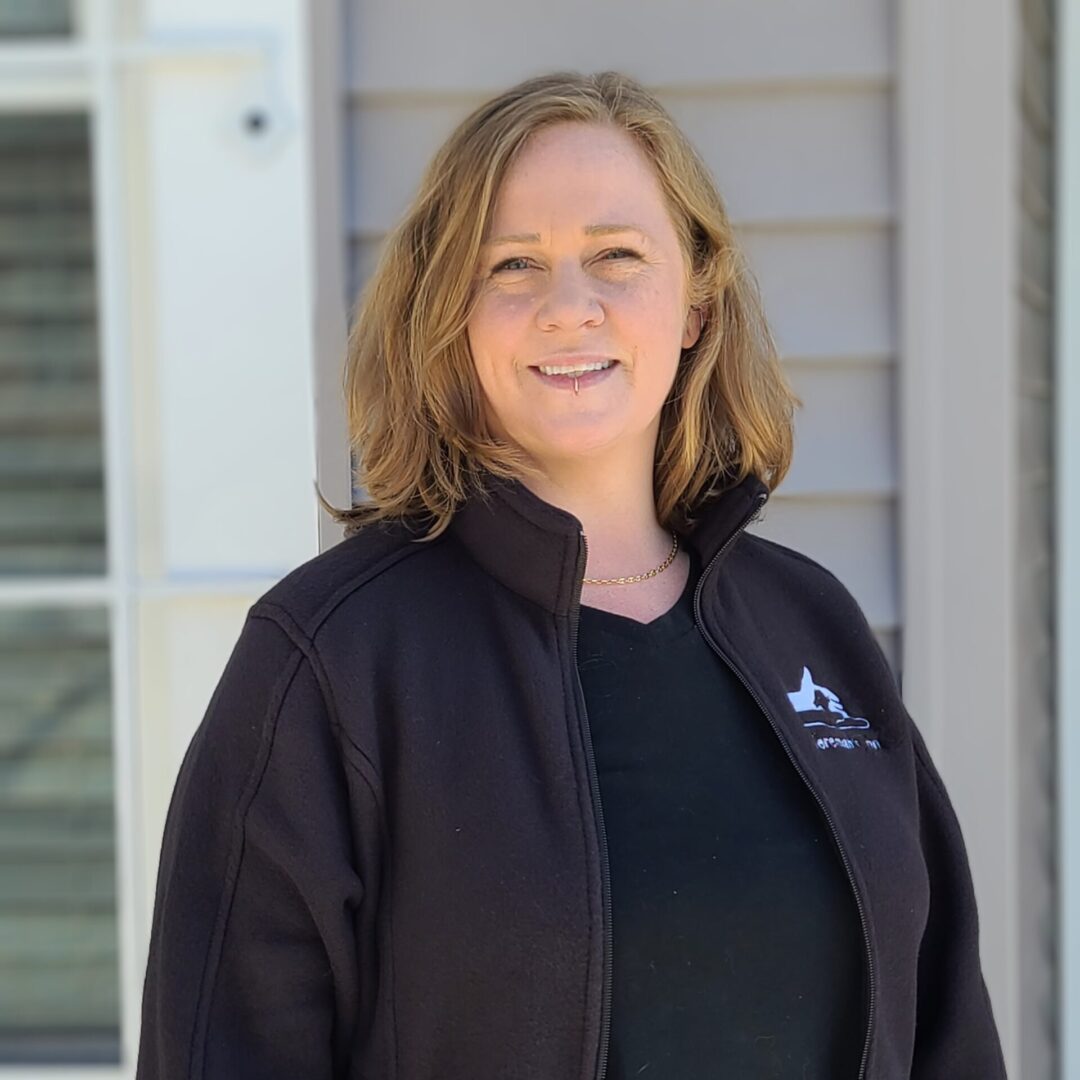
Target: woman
{"points": [[550, 769]]}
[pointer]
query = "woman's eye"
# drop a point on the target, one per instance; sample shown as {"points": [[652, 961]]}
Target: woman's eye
{"points": [[507, 264], [521, 263]]}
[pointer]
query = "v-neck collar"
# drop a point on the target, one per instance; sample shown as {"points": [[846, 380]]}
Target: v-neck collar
{"points": [[673, 623]]}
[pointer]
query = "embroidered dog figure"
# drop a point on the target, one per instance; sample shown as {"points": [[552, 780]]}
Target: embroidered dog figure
{"points": [[812, 697]]}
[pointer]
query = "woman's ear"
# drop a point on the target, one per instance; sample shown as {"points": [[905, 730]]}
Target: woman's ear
{"points": [[695, 320]]}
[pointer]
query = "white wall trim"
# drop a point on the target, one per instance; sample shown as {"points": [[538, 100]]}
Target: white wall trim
{"points": [[110, 233], [1067, 518], [958, 272]]}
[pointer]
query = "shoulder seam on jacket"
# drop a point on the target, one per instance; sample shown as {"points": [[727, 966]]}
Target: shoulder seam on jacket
{"points": [[288, 625], [370, 574]]}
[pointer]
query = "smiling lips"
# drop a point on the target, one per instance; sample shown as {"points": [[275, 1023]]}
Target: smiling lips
{"points": [[576, 372]]}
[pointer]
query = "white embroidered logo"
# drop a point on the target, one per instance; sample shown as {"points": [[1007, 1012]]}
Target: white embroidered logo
{"points": [[829, 712]]}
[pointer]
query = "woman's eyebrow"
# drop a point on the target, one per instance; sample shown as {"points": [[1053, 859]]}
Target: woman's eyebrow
{"points": [[588, 230]]}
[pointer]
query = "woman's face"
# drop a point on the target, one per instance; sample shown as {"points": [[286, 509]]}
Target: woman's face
{"points": [[582, 265]]}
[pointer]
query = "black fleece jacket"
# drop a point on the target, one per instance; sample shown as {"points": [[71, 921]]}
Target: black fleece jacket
{"points": [[385, 857]]}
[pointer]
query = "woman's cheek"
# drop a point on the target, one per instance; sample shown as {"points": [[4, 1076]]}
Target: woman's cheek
{"points": [[502, 311], [640, 290]]}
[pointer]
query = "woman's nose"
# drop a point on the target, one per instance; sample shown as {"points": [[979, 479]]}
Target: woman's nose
{"points": [[570, 299]]}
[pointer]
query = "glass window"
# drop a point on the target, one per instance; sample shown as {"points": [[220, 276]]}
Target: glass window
{"points": [[35, 18], [52, 494], [59, 972], [59, 977]]}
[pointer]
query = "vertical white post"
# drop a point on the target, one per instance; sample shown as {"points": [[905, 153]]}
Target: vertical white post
{"points": [[322, 63], [960, 421]]}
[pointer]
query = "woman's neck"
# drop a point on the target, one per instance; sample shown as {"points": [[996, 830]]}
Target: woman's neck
{"points": [[617, 510]]}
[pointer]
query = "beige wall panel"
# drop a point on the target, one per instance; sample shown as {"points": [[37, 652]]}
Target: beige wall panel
{"points": [[845, 433], [779, 156], [802, 154], [487, 45], [390, 142], [828, 292]]}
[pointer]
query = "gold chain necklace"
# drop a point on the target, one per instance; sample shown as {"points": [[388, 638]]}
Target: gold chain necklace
{"points": [[639, 577]]}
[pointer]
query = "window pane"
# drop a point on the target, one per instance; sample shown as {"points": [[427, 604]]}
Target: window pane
{"points": [[35, 18], [52, 496], [59, 976]]}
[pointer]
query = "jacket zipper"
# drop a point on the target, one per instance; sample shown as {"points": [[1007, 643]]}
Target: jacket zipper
{"points": [[798, 768], [594, 786]]}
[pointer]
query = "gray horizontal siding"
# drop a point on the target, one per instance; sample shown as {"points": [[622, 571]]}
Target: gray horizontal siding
{"points": [[484, 45]]}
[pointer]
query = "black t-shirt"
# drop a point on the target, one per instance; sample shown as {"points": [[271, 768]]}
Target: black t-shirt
{"points": [[737, 942]]}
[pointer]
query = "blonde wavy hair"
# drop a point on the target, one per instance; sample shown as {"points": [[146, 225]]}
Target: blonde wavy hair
{"points": [[414, 403]]}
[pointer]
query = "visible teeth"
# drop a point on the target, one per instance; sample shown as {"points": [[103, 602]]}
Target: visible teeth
{"points": [[550, 369]]}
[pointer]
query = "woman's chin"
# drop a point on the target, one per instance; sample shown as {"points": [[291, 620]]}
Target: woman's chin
{"points": [[583, 442]]}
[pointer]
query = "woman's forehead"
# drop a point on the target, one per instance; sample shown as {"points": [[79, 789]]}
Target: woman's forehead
{"points": [[576, 147], [593, 179]]}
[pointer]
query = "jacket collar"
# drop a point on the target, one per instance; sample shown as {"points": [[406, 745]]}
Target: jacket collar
{"points": [[534, 547]]}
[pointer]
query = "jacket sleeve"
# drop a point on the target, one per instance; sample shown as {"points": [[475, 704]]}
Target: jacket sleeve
{"points": [[955, 1035], [252, 964]]}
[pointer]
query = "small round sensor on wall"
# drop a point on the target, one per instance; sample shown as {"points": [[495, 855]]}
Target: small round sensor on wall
{"points": [[256, 121]]}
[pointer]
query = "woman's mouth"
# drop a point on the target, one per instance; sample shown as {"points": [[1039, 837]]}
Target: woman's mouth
{"points": [[575, 377]]}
